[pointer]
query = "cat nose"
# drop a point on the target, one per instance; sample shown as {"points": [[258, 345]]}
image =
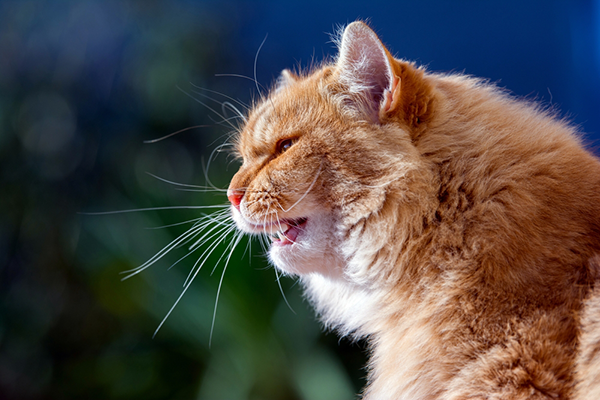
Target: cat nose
{"points": [[235, 197]]}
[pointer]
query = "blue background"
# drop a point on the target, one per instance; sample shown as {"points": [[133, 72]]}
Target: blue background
{"points": [[84, 83]]}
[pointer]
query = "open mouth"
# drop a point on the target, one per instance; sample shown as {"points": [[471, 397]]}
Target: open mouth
{"points": [[288, 231]]}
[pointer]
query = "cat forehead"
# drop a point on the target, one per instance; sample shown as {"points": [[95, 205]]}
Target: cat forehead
{"points": [[287, 112], [276, 114]]}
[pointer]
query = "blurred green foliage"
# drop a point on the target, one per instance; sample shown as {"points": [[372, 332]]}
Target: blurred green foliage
{"points": [[83, 85]]}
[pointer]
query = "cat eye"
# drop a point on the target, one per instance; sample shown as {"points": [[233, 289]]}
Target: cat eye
{"points": [[284, 145]]}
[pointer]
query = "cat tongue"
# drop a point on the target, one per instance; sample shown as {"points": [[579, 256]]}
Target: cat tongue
{"points": [[288, 232], [285, 236], [291, 234]]}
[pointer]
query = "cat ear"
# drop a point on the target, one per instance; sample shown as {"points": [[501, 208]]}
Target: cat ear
{"points": [[365, 68], [285, 79]]}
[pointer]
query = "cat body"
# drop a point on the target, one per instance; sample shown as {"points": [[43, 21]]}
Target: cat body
{"points": [[454, 227]]}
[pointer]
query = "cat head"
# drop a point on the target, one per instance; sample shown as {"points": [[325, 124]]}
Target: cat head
{"points": [[328, 158]]}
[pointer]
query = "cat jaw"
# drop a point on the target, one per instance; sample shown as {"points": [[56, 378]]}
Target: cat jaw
{"points": [[298, 246]]}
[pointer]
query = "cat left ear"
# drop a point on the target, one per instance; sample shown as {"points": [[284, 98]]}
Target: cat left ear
{"points": [[365, 68], [285, 79]]}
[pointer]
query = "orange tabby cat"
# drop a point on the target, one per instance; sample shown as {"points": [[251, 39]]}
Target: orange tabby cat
{"points": [[454, 227]]}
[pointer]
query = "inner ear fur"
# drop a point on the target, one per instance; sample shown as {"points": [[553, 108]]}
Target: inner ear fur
{"points": [[381, 87]]}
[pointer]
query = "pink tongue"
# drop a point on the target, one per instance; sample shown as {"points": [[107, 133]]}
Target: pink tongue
{"points": [[292, 234]]}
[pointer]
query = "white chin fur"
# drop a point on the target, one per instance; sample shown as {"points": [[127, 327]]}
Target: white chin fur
{"points": [[313, 252]]}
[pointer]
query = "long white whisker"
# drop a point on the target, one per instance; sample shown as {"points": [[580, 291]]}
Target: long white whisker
{"points": [[239, 76], [205, 169], [210, 250], [180, 240], [176, 224], [185, 185], [206, 221], [235, 109], [219, 224], [278, 278], [222, 94], [193, 248], [186, 287], [248, 250], [223, 118], [165, 250], [212, 327], [256, 61], [308, 190], [199, 241], [229, 246], [224, 105], [154, 209], [181, 259], [226, 119], [175, 133]]}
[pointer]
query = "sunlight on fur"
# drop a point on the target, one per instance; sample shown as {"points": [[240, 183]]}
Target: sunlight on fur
{"points": [[454, 227], [450, 224]]}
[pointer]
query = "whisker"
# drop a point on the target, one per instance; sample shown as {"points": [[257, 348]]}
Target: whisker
{"points": [[237, 240], [176, 224], [278, 278], [165, 250], [185, 185], [224, 119], [209, 219], [175, 133], [248, 250], [240, 76], [224, 105], [256, 61], [186, 287], [234, 108], [180, 240], [222, 94], [210, 249], [263, 241], [206, 167], [308, 190], [229, 246], [204, 238], [154, 209], [192, 251]]}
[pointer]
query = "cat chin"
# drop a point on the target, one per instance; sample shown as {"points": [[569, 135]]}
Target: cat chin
{"points": [[313, 252], [302, 260]]}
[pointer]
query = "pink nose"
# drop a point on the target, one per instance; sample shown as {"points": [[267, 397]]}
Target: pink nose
{"points": [[235, 197]]}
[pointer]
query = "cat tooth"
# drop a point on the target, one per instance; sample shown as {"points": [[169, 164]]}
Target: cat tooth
{"points": [[274, 228], [282, 228], [281, 235]]}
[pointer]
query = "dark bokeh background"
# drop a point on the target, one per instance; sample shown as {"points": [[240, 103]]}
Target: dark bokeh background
{"points": [[84, 83]]}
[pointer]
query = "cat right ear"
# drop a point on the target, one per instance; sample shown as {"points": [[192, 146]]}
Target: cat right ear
{"points": [[365, 67]]}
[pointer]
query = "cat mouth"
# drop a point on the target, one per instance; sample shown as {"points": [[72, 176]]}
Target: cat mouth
{"points": [[282, 232], [287, 231]]}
